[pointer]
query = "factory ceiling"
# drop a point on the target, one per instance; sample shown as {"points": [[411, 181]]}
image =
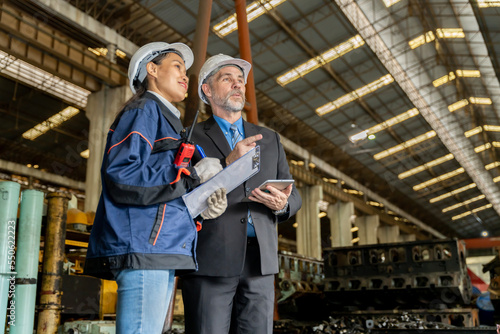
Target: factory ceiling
{"points": [[403, 97]]}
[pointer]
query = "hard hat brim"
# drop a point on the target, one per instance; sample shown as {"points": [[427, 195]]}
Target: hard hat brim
{"points": [[158, 47], [243, 64]]}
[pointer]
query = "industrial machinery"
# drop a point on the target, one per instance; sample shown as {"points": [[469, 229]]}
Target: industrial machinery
{"points": [[425, 274], [383, 288]]}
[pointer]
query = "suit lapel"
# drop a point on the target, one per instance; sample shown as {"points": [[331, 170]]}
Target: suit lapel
{"points": [[250, 129], [214, 132]]}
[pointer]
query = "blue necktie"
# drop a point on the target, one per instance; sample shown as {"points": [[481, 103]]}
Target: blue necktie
{"points": [[235, 137]]}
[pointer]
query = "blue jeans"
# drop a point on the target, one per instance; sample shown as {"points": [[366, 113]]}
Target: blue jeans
{"points": [[143, 297]]}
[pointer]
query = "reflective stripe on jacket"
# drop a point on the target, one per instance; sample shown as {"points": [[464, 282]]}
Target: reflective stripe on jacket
{"points": [[141, 220]]}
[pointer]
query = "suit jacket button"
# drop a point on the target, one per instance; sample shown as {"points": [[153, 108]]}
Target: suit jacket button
{"points": [[243, 220], [247, 189]]}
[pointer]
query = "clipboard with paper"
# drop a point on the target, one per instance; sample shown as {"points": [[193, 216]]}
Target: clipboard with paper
{"points": [[230, 177]]}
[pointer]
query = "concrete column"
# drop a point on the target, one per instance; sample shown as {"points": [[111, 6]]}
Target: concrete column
{"points": [[388, 234], [407, 237], [340, 215], [367, 229], [308, 222], [102, 108]]}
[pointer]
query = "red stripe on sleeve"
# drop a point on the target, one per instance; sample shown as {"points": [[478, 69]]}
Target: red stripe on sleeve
{"points": [[140, 134]]}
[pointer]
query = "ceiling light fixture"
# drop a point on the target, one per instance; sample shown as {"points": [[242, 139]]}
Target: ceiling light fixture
{"points": [[480, 100], [492, 128], [441, 33], [492, 165], [50, 123], [451, 76], [389, 3], [472, 132], [444, 79], [447, 157], [360, 92], [482, 148], [100, 52], [439, 179], [120, 54], [452, 193], [42, 80], [468, 73], [359, 136], [450, 33], [324, 58], [353, 192], [254, 10], [457, 105], [85, 154], [472, 211], [406, 144], [458, 205], [425, 166], [488, 3], [421, 40], [384, 125]]}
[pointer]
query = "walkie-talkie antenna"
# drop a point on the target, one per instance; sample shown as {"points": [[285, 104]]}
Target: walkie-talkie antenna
{"points": [[192, 126]]}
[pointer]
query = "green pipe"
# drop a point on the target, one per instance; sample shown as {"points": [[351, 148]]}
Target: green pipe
{"points": [[9, 200], [28, 246]]}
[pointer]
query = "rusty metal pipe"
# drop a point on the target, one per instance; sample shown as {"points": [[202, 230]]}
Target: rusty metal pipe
{"points": [[246, 53], [200, 52], [53, 257]]}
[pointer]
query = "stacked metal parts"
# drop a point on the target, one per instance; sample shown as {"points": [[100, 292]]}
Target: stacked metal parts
{"points": [[425, 274]]}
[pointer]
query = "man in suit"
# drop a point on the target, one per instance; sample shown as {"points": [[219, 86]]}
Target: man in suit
{"points": [[237, 252]]}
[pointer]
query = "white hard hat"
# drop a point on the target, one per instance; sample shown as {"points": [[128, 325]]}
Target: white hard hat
{"points": [[216, 62], [146, 53]]}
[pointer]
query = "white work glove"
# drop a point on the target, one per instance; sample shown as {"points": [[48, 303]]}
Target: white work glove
{"points": [[207, 167], [217, 204]]}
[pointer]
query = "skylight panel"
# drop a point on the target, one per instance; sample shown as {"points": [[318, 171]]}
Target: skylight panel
{"points": [[406, 144], [354, 95], [50, 123], [316, 62], [254, 10]]}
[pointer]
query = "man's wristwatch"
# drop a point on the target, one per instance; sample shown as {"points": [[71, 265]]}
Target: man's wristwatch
{"points": [[282, 211]]}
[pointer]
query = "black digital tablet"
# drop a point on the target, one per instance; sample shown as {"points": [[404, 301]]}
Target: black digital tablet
{"points": [[278, 184]]}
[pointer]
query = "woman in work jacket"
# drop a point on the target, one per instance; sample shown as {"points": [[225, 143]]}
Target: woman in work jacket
{"points": [[142, 231]]}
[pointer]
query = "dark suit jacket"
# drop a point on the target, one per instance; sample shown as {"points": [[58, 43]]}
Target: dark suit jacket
{"points": [[222, 241]]}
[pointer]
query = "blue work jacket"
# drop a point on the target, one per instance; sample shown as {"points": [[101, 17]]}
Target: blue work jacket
{"points": [[141, 221]]}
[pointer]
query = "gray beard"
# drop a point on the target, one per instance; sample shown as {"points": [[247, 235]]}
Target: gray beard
{"points": [[226, 104]]}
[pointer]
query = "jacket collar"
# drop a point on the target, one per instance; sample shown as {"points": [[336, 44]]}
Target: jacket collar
{"points": [[171, 118]]}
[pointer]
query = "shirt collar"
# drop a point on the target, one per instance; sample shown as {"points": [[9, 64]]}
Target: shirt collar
{"points": [[225, 125], [169, 105]]}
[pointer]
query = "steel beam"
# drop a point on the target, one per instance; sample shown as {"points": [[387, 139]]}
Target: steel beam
{"points": [[38, 44], [200, 51], [246, 53]]}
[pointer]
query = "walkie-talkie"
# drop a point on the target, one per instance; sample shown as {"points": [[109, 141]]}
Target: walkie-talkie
{"points": [[186, 150]]}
